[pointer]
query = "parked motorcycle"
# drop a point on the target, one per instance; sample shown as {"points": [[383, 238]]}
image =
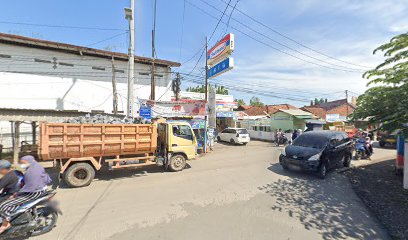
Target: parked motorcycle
{"points": [[33, 218], [281, 140]]}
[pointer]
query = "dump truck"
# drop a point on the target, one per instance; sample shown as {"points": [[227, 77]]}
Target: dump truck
{"points": [[79, 150]]}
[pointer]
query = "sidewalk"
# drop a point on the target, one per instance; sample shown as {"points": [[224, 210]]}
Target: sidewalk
{"points": [[376, 183]]}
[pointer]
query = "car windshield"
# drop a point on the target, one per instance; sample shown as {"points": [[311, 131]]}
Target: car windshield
{"points": [[242, 131], [311, 141]]}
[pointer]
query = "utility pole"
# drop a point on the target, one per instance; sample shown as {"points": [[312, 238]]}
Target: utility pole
{"points": [[206, 95], [115, 93], [347, 111], [129, 13], [153, 83]]}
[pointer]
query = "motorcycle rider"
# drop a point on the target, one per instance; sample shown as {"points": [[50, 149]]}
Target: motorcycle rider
{"points": [[368, 146], [35, 185], [9, 183]]}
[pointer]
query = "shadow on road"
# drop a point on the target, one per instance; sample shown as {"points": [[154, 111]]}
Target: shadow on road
{"points": [[324, 205], [110, 175]]}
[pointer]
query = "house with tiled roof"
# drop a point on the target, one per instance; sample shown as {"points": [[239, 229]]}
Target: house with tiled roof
{"points": [[341, 108], [263, 120]]}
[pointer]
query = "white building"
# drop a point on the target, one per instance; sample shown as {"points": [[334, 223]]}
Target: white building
{"points": [[40, 74]]}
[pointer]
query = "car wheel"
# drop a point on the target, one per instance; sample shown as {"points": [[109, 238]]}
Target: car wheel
{"points": [[322, 171], [347, 161], [382, 144], [245, 143], [232, 141], [218, 139]]}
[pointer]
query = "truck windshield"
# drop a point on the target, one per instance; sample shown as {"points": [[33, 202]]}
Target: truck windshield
{"points": [[183, 131]]}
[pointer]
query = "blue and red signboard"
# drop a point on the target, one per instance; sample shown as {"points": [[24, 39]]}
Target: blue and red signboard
{"points": [[221, 67], [222, 49]]}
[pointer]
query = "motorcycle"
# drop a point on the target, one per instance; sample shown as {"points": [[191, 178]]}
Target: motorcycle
{"points": [[360, 150], [33, 218], [282, 140]]}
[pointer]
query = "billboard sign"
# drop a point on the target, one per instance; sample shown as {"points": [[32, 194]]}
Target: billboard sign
{"points": [[221, 67], [145, 112], [174, 109], [222, 49]]}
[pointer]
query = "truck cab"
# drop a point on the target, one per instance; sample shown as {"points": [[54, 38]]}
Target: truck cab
{"points": [[176, 144]]}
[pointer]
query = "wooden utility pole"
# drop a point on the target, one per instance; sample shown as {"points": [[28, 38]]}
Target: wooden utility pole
{"points": [[115, 93], [153, 83], [347, 104], [16, 142]]}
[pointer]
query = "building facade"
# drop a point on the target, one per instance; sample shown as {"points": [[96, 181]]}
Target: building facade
{"points": [[41, 74]]}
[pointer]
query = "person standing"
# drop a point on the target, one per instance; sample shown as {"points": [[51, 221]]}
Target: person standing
{"points": [[36, 181]]}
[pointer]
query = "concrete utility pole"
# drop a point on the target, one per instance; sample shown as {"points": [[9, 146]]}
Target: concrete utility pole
{"points": [[129, 13], [206, 96]]}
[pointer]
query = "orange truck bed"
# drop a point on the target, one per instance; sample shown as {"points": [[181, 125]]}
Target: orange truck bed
{"points": [[68, 140]]}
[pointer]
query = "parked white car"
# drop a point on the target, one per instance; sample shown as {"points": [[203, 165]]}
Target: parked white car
{"points": [[234, 136]]}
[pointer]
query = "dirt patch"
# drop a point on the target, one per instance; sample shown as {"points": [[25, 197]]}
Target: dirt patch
{"points": [[381, 190]]}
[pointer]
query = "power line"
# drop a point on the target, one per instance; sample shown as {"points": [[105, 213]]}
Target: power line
{"points": [[284, 45], [182, 29], [62, 26], [107, 39], [272, 47], [229, 18], [295, 41], [218, 23]]}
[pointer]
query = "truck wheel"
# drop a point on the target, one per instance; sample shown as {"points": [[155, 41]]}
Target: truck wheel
{"points": [[79, 175], [177, 163]]}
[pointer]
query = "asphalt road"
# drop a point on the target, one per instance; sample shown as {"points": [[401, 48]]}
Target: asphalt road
{"points": [[235, 192]]}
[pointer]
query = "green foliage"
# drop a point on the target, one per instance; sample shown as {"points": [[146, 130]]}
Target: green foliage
{"points": [[256, 102], [317, 101], [201, 89], [240, 102], [386, 103]]}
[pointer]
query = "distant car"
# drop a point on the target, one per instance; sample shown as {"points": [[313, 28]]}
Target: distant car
{"points": [[389, 138], [318, 151], [234, 136]]}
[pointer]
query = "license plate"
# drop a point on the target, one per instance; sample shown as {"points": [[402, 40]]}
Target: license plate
{"points": [[294, 167], [243, 136]]}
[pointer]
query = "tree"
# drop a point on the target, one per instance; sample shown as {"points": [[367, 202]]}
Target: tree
{"points": [[240, 102], [256, 102], [201, 89], [317, 101], [386, 103]]}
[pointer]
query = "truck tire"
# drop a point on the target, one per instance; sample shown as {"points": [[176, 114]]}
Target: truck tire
{"points": [[177, 163], [79, 175]]}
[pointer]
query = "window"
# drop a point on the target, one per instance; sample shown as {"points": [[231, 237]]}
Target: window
{"points": [[41, 60], [66, 64], [183, 131], [144, 74], [98, 68], [4, 56], [119, 71]]}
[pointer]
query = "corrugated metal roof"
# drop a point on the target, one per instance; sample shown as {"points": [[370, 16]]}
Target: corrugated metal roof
{"points": [[296, 112], [39, 115], [77, 50]]}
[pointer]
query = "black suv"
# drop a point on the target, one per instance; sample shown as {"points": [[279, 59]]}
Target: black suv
{"points": [[317, 151]]}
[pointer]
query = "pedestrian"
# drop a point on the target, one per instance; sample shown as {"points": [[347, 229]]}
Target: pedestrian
{"points": [[35, 186], [294, 135]]}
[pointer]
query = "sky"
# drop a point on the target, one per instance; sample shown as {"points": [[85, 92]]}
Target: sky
{"points": [[293, 52]]}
